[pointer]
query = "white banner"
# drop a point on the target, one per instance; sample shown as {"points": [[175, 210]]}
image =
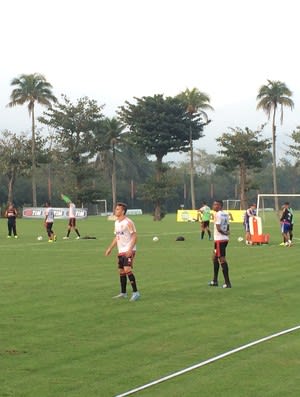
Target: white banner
{"points": [[59, 213]]}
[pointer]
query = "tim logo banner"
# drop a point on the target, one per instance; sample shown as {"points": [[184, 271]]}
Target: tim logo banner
{"points": [[59, 213]]}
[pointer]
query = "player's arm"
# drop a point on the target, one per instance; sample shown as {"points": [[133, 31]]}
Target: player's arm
{"points": [[111, 247], [132, 244]]}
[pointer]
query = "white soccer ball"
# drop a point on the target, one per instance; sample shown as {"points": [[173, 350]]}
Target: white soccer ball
{"points": [[240, 239], [40, 238], [155, 239]]}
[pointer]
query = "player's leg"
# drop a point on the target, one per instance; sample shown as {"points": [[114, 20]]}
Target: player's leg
{"points": [[14, 228], [216, 265], [49, 231], [287, 229], [202, 230], [69, 228], [291, 232], [9, 228], [128, 265], [207, 230], [123, 278], [224, 264], [75, 228]]}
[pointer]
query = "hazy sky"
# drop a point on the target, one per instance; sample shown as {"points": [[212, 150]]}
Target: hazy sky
{"points": [[112, 51]]}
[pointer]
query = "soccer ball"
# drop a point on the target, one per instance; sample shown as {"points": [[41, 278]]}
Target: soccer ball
{"points": [[240, 239], [155, 239], [39, 238]]}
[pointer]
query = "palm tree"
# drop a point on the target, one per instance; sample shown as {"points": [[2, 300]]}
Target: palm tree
{"points": [[32, 88], [196, 103], [271, 96], [113, 130]]}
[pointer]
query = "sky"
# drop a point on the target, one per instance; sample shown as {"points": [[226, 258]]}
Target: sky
{"points": [[113, 51]]}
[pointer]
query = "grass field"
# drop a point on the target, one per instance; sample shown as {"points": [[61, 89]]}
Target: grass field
{"points": [[62, 334]]}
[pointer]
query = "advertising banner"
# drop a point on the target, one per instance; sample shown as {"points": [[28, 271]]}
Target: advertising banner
{"points": [[235, 216], [59, 213]]}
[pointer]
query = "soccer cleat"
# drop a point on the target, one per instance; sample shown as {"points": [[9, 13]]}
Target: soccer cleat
{"points": [[50, 241], [16, 236], [77, 238], [226, 285], [121, 295], [135, 296], [8, 236], [213, 284], [282, 243], [65, 238]]}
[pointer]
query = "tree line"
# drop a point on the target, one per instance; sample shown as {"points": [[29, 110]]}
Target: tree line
{"points": [[77, 150]]}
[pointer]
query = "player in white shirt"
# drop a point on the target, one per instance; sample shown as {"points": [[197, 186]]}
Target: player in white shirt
{"points": [[72, 222], [221, 238], [49, 219], [125, 240]]}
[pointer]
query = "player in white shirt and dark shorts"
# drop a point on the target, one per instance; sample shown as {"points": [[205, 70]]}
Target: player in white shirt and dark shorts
{"points": [[125, 240], [49, 220], [221, 238], [72, 222]]}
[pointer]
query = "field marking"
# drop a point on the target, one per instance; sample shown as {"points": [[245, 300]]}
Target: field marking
{"points": [[183, 371]]}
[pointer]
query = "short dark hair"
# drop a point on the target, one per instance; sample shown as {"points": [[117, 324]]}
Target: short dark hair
{"points": [[219, 202], [123, 205]]}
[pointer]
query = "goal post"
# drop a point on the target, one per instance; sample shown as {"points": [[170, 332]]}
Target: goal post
{"points": [[260, 198]]}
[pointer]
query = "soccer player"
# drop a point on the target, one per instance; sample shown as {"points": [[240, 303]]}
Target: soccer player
{"points": [[221, 238], [11, 215], [125, 240], [286, 221], [72, 222], [251, 211], [49, 219], [205, 219]]}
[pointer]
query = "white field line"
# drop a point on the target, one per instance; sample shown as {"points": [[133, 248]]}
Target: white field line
{"points": [[211, 360]]}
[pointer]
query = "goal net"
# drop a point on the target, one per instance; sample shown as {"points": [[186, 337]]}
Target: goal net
{"points": [[232, 204], [265, 202]]}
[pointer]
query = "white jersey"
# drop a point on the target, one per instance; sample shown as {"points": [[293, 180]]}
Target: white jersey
{"points": [[221, 218], [72, 210], [50, 215], [123, 232]]}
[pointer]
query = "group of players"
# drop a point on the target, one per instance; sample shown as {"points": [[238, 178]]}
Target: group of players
{"points": [[49, 220], [11, 215], [286, 223], [125, 238]]}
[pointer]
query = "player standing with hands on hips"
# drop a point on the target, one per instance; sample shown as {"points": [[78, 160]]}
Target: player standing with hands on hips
{"points": [[221, 238], [72, 222], [125, 240]]}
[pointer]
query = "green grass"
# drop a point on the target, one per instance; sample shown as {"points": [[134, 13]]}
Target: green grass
{"points": [[61, 334]]}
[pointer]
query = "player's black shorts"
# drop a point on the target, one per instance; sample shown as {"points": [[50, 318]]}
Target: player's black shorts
{"points": [[220, 248], [72, 222], [125, 261], [205, 223]]}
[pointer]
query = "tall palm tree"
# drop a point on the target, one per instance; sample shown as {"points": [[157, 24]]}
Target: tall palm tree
{"points": [[32, 89], [113, 130], [274, 95], [196, 103]]}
